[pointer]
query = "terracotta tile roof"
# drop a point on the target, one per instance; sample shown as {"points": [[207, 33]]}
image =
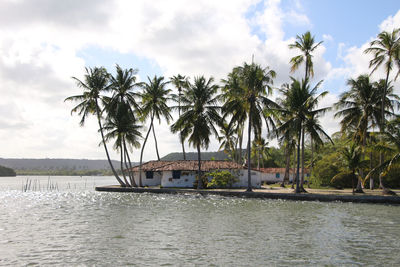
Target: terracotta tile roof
{"points": [[188, 165], [281, 170]]}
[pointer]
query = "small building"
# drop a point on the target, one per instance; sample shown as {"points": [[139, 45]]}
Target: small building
{"points": [[182, 173], [276, 175]]}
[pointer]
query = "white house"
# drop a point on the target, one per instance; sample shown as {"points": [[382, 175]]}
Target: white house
{"points": [[276, 175], [182, 173]]}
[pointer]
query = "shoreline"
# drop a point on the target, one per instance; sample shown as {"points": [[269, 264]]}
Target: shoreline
{"points": [[260, 194]]}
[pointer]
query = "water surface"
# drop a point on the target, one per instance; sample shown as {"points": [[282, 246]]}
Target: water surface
{"points": [[71, 224]]}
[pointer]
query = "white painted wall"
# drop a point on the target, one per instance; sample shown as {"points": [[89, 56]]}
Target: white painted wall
{"points": [[186, 180], [148, 182]]}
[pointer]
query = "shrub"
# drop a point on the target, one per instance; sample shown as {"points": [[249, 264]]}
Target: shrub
{"points": [[203, 179], [324, 170], [343, 180], [222, 179]]}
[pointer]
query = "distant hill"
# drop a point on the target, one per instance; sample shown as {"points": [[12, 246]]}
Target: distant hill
{"points": [[57, 164], [4, 171], [220, 155]]}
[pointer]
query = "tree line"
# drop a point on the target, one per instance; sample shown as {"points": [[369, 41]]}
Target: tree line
{"points": [[242, 102]]}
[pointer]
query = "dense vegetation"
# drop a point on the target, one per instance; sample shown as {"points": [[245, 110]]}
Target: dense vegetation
{"points": [[366, 148], [4, 171]]}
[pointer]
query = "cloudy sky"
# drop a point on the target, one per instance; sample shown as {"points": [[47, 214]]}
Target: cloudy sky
{"points": [[43, 43]]}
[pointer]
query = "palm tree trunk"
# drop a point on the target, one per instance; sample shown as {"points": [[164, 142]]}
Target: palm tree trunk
{"points": [[371, 180], [359, 182], [126, 162], [241, 145], [302, 160], [200, 180], [180, 134], [122, 166], [133, 182], [249, 187], [141, 151], [382, 155], [312, 161], [294, 167], [298, 165], [287, 167], [105, 147], [155, 141]]}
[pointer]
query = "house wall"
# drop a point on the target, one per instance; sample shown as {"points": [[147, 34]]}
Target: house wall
{"points": [[156, 180], [188, 177], [271, 177], [186, 180]]}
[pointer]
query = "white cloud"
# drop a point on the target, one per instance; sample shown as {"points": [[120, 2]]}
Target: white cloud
{"points": [[327, 37], [40, 41]]}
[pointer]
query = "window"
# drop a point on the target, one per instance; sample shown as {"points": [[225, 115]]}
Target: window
{"points": [[277, 175], [176, 174], [149, 175]]}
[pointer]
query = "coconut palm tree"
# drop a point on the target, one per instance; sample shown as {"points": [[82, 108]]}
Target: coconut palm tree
{"points": [[122, 86], [261, 150], [95, 81], [200, 116], [154, 100], [234, 108], [306, 44], [299, 109], [180, 82], [228, 140], [121, 126], [360, 108], [250, 98], [386, 51], [352, 156]]}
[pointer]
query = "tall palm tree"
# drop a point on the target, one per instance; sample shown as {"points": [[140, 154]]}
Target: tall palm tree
{"points": [[232, 92], [200, 116], [386, 51], [228, 140], [180, 82], [94, 83], [299, 110], [121, 126], [154, 100], [306, 44], [261, 150], [123, 85], [250, 99]]}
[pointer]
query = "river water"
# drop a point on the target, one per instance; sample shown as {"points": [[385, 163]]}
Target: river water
{"points": [[64, 222]]}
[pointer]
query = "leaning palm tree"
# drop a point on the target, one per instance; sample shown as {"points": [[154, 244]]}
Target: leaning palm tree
{"points": [[200, 116], [306, 44], [154, 100], [180, 82], [121, 126], [250, 97], [386, 51], [95, 82], [299, 109]]}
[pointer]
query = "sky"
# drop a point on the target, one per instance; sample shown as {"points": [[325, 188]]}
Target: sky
{"points": [[43, 43]]}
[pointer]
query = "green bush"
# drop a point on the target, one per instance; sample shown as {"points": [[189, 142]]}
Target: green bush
{"points": [[203, 179], [222, 179], [392, 178], [343, 180], [324, 170]]}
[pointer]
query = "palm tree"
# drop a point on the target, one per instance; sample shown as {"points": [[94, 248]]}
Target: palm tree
{"points": [[200, 115], [306, 44], [154, 100], [352, 157], [122, 86], [228, 140], [180, 82], [386, 51], [233, 107], [121, 126], [261, 150], [250, 99], [299, 111], [95, 82]]}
